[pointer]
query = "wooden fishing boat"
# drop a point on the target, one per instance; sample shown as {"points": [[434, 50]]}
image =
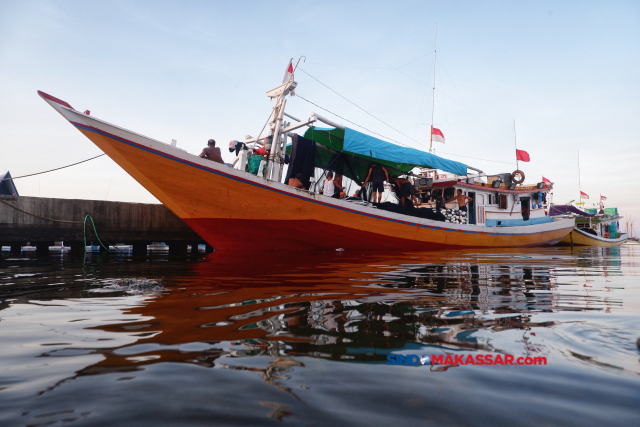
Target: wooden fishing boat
{"points": [[579, 237], [592, 228], [235, 210]]}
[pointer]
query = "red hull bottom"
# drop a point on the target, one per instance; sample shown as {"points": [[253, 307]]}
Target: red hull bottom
{"points": [[240, 234]]}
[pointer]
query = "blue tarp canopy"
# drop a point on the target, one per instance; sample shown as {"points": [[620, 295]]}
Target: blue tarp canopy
{"points": [[368, 146]]}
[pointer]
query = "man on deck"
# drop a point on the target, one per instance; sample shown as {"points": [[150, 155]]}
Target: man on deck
{"points": [[378, 175], [296, 182], [461, 199], [212, 152], [405, 189]]}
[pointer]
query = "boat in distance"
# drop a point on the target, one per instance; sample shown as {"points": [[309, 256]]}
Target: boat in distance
{"points": [[232, 209], [578, 237], [592, 228]]}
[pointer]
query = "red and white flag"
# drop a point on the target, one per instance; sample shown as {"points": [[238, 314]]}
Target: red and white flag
{"points": [[288, 74], [583, 195], [522, 156], [436, 135], [546, 180], [602, 197]]}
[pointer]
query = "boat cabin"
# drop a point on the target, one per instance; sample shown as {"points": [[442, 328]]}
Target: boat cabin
{"points": [[602, 223], [495, 203]]}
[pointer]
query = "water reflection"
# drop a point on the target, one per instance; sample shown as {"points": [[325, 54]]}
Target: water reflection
{"points": [[346, 309], [269, 316]]}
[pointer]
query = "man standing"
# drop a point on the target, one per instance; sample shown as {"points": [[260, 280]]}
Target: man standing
{"points": [[461, 199], [378, 175], [212, 152]]}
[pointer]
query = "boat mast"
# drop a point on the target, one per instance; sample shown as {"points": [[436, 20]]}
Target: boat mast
{"points": [[515, 141], [579, 185], [274, 166], [433, 94]]}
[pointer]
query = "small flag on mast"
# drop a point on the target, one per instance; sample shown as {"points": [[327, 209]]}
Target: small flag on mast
{"points": [[546, 180], [288, 74], [602, 197], [522, 156], [583, 195], [436, 135]]}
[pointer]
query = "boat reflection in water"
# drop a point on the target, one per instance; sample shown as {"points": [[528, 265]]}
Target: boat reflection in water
{"points": [[347, 308], [305, 339]]}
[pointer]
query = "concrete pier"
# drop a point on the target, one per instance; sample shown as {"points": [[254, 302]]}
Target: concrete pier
{"points": [[131, 223]]}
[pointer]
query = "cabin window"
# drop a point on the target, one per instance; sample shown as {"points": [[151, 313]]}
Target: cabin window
{"points": [[502, 201], [449, 193], [480, 199]]}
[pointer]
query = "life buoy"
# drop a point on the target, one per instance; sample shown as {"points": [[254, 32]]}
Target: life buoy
{"points": [[517, 176]]}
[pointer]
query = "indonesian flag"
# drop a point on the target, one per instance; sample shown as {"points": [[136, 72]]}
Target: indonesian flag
{"points": [[522, 155], [288, 74], [583, 195], [546, 180], [602, 197], [436, 135]]}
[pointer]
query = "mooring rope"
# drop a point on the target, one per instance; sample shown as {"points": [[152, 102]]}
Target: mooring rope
{"points": [[38, 216], [51, 170]]}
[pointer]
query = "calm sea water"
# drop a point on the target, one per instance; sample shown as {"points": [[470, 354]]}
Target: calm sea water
{"points": [[304, 339]]}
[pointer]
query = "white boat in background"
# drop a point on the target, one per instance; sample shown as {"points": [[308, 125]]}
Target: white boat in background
{"points": [[28, 248], [121, 248], [59, 247], [158, 247]]}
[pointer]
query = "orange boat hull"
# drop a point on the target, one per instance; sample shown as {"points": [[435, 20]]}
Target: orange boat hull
{"points": [[234, 210]]}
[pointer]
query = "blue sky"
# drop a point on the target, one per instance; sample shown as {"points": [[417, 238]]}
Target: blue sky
{"points": [[567, 72]]}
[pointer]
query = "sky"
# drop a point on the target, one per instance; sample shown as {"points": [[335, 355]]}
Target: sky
{"points": [[564, 74]]}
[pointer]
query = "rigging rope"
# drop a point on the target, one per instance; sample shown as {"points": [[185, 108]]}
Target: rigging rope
{"points": [[360, 107], [450, 154], [353, 123], [51, 170]]}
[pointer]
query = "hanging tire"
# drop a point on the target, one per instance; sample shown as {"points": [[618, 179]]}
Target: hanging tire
{"points": [[517, 176]]}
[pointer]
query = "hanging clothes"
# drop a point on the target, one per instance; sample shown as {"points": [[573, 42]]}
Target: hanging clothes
{"points": [[303, 152]]}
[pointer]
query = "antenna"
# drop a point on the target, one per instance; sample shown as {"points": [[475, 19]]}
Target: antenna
{"points": [[433, 95]]}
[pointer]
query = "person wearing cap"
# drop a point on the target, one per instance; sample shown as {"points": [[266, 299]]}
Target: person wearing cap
{"points": [[211, 152]]}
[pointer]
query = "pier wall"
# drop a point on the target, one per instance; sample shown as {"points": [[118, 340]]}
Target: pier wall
{"points": [[131, 223]]}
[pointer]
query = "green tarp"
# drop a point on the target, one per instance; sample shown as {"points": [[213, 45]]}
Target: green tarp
{"points": [[333, 140], [401, 159]]}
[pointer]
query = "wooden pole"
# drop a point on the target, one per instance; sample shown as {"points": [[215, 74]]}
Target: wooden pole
{"points": [[433, 94]]}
